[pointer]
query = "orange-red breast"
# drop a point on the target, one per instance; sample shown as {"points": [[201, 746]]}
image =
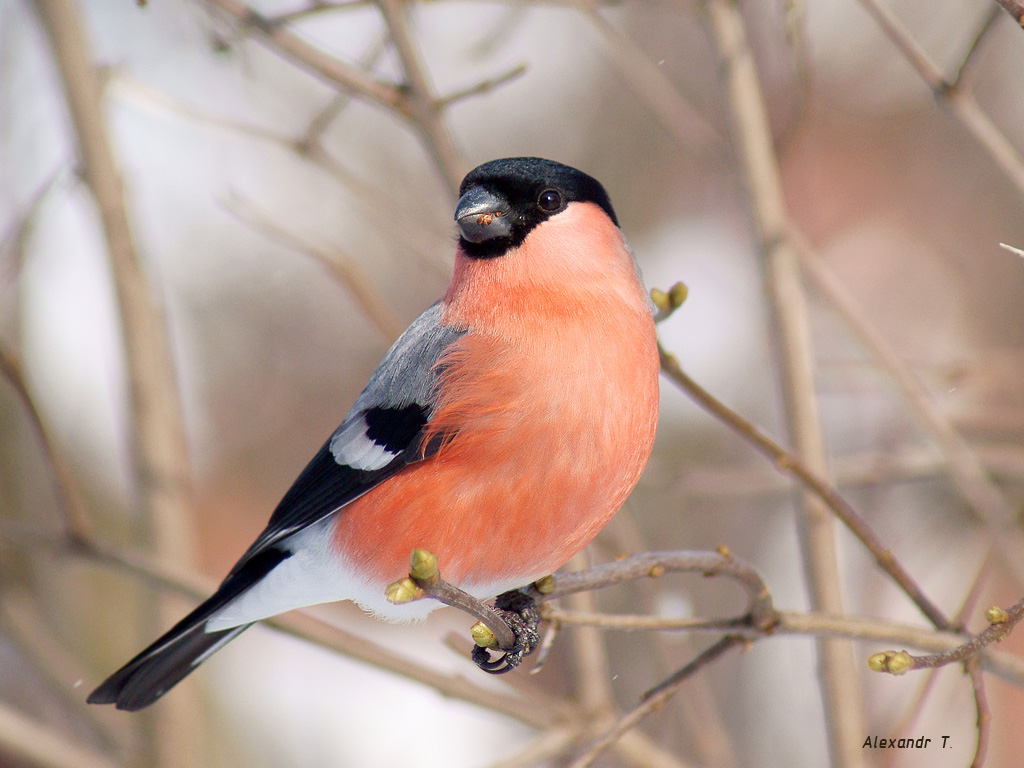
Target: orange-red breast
{"points": [[501, 431]]}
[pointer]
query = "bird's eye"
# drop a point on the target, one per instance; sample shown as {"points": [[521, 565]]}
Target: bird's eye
{"points": [[550, 200]]}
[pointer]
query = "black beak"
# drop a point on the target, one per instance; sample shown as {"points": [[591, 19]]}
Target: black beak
{"points": [[482, 215]]}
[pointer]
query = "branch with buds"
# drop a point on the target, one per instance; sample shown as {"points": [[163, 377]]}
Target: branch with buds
{"points": [[508, 626], [1001, 623]]}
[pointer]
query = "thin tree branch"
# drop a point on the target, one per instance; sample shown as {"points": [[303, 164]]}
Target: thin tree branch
{"points": [[423, 107], [906, 722], [653, 700], [13, 240], [292, 47], [967, 471], [375, 204], [968, 60], [425, 581], [1001, 624], [534, 710], [637, 750], [23, 739], [858, 470], [591, 672], [656, 564], [484, 86], [1015, 8], [753, 140], [681, 119], [316, 7], [790, 465], [700, 713], [159, 451], [961, 103], [342, 267], [319, 124], [549, 744], [1002, 664], [984, 714], [70, 502]]}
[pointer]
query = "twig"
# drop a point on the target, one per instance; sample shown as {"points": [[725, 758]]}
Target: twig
{"points": [[161, 454], [642, 623], [484, 86], [656, 564], [653, 700], [345, 270], [536, 711], [844, 718], [70, 502], [421, 105], [551, 743], [707, 656], [26, 740], [902, 662], [314, 8], [984, 715], [1015, 8], [699, 714], [914, 708], [790, 465], [159, 450], [1003, 665], [1006, 666], [376, 206], [591, 672], [677, 116], [1001, 624], [281, 40], [320, 122], [967, 471], [123, 87], [13, 240], [961, 103], [858, 470], [425, 581], [414, 100], [637, 750], [968, 60]]}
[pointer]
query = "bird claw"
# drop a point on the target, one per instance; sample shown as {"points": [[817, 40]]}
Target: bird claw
{"points": [[520, 613]]}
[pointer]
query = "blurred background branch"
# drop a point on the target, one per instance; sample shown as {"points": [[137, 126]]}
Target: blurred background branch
{"points": [[159, 452], [791, 332]]}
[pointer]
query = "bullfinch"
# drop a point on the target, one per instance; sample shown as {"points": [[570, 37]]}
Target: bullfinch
{"points": [[501, 431]]}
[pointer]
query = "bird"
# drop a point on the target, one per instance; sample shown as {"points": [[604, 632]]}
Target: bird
{"points": [[501, 431]]}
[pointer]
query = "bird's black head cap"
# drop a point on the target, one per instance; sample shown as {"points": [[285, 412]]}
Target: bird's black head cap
{"points": [[502, 201]]}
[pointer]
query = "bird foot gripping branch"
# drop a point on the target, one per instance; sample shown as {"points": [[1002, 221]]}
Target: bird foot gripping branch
{"points": [[520, 613], [512, 626]]}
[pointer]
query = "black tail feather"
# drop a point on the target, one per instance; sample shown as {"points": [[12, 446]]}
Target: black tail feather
{"points": [[160, 667], [186, 645]]}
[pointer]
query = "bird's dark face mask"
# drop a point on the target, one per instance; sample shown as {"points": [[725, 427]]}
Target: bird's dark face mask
{"points": [[502, 201]]}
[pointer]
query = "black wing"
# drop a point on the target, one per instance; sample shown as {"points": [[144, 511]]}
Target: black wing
{"points": [[382, 434]]}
